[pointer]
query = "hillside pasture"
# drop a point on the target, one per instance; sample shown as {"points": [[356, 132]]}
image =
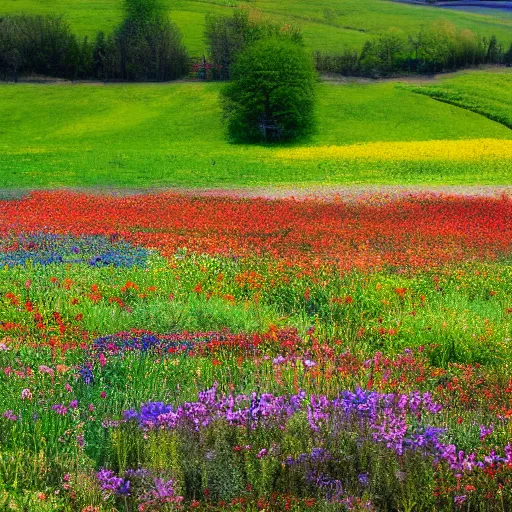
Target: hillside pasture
{"points": [[328, 25], [172, 135]]}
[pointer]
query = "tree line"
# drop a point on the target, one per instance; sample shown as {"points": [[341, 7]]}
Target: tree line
{"points": [[438, 48], [146, 46]]}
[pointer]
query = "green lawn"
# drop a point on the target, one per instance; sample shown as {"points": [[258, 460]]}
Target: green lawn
{"points": [[143, 135], [327, 24]]}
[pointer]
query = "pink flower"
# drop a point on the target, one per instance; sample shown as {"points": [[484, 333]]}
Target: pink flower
{"points": [[46, 369], [26, 394], [10, 415], [68, 388], [103, 394], [103, 360]]}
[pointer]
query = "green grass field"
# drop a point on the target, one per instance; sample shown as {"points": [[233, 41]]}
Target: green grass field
{"points": [[489, 94], [327, 24], [147, 135]]}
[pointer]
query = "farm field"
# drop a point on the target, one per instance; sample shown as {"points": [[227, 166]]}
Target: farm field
{"points": [[166, 352], [326, 24], [171, 135]]}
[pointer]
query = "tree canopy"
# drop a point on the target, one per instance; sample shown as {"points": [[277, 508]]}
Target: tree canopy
{"points": [[271, 95]]}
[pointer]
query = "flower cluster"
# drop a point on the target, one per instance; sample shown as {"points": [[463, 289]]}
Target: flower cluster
{"points": [[412, 232], [93, 250]]}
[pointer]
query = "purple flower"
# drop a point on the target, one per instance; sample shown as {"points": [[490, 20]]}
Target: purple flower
{"points": [[484, 431], [10, 415], [262, 453], [363, 479], [164, 489], [73, 404], [459, 500], [87, 375], [130, 414], [60, 409], [111, 483], [279, 360]]}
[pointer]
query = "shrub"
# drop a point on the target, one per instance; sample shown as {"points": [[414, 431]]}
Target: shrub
{"points": [[271, 96]]}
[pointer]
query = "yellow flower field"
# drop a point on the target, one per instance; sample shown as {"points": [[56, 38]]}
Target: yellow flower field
{"points": [[451, 150]]}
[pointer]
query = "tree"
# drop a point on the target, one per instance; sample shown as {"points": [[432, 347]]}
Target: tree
{"points": [[11, 54], [143, 11], [271, 96], [226, 37], [146, 46], [41, 44], [507, 58]]}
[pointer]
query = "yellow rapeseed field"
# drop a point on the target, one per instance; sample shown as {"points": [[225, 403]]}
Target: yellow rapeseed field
{"points": [[451, 150]]}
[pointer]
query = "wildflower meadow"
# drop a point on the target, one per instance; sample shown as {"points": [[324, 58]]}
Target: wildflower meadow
{"points": [[167, 352]]}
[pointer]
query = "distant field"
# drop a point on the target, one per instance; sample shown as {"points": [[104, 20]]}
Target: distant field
{"points": [[327, 24], [146, 135], [489, 94]]}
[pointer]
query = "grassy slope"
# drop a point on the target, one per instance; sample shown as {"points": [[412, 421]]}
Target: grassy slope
{"points": [[327, 24], [172, 135], [489, 94]]}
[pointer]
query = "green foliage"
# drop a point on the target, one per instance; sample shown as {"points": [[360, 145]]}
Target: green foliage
{"points": [[141, 12], [141, 51], [271, 97], [41, 45], [226, 37], [458, 312], [146, 46], [437, 48]]}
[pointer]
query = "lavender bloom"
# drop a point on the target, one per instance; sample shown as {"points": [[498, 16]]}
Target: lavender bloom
{"points": [[484, 431], [164, 489], [130, 414], [380, 418], [111, 483], [279, 360]]}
